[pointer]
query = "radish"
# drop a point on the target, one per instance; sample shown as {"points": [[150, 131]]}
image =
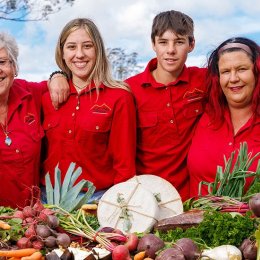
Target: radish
{"points": [[24, 242], [132, 242], [28, 212], [121, 252]]}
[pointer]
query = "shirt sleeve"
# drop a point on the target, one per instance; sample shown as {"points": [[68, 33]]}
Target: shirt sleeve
{"points": [[123, 138]]}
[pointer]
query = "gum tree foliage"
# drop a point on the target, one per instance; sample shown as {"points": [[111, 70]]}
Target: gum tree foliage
{"points": [[123, 65], [31, 10]]}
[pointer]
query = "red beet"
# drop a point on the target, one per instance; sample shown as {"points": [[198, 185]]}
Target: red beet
{"points": [[151, 244], [254, 204]]}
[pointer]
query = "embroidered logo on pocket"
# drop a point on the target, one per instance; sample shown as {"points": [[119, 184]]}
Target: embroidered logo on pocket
{"points": [[195, 94], [100, 109]]}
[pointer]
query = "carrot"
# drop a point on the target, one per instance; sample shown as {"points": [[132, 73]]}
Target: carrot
{"points": [[35, 256], [89, 206], [140, 255], [14, 258], [4, 225], [18, 253]]}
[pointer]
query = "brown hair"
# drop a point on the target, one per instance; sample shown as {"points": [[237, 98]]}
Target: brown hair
{"points": [[175, 21]]}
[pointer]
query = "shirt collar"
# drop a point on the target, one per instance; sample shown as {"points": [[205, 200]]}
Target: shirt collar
{"points": [[149, 81]]}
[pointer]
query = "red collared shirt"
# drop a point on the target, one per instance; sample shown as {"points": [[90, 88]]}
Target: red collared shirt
{"points": [[20, 162], [97, 133], [209, 147], [166, 116]]}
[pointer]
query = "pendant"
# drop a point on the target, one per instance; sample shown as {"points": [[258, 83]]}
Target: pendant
{"points": [[8, 140]]}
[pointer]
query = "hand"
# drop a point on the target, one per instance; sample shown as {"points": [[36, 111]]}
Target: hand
{"points": [[59, 90]]}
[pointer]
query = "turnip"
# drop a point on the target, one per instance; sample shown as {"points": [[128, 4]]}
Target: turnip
{"points": [[121, 252], [132, 242], [254, 204], [63, 240], [188, 248], [223, 252], [151, 244], [171, 254]]}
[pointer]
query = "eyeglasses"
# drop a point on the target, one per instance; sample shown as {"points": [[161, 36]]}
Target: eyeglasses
{"points": [[4, 63]]}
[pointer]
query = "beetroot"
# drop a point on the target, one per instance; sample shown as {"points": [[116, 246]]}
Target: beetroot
{"points": [[254, 204], [171, 254], [30, 232], [121, 252], [248, 249], [50, 242], [151, 244], [43, 231], [63, 240], [188, 247], [52, 221]]}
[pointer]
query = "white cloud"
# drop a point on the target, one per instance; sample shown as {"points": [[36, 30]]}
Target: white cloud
{"points": [[127, 24]]}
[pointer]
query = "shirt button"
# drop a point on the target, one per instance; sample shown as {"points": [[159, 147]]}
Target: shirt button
{"points": [[166, 88], [49, 125], [97, 127], [197, 111], [230, 143], [171, 121], [70, 131], [73, 114], [168, 105], [17, 151]]}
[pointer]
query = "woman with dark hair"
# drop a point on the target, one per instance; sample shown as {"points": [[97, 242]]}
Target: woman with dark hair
{"points": [[232, 115]]}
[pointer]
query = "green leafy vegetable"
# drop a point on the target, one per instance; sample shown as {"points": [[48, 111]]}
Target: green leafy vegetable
{"points": [[216, 229], [67, 195], [231, 181]]}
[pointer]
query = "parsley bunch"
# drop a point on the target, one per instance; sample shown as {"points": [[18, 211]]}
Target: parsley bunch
{"points": [[216, 229]]}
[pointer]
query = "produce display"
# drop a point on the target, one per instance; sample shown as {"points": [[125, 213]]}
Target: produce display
{"points": [[126, 223]]}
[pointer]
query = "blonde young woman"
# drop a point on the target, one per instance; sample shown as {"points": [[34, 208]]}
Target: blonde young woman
{"points": [[96, 127]]}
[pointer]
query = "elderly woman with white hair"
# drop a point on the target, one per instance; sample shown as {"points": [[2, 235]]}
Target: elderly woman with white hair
{"points": [[21, 132]]}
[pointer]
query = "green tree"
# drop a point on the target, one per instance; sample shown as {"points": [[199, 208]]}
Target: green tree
{"points": [[31, 10]]}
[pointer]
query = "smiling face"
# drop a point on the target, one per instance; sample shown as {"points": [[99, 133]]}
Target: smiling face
{"points": [[171, 51], [237, 78], [79, 54], [7, 72]]}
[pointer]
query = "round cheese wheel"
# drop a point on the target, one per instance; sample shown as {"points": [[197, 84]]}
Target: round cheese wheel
{"points": [[169, 200], [128, 207]]}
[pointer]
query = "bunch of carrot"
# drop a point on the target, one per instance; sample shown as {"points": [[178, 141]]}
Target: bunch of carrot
{"points": [[22, 254]]}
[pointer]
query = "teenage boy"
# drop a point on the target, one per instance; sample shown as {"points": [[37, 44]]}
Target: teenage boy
{"points": [[170, 98]]}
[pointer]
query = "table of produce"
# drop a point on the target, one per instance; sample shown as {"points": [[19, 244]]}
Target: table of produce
{"points": [[141, 219]]}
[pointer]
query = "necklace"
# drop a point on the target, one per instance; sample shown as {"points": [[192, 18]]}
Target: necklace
{"points": [[79, 86], [8, 140]]}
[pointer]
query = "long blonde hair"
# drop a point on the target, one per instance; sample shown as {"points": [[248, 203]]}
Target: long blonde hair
{"points": [[101, 72]]}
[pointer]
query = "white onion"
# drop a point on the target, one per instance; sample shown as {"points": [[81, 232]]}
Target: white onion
{"points": [[224, 252]]}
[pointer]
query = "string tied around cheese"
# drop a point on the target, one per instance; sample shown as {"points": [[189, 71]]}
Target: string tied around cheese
{"points": [[126, 210]]}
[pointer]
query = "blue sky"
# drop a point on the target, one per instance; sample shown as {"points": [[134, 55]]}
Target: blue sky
{"points": [[127, 24]]}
